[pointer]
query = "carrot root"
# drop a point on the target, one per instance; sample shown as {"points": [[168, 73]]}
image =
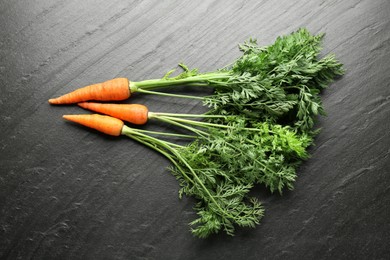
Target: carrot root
{"points": [[115, 89], [133, 113], [105, 124]]}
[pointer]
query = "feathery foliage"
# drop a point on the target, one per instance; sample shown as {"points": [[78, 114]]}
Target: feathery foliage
{"points": [[258, 127]]}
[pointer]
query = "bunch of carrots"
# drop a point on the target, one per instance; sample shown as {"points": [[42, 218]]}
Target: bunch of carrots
{"points": [[257, 130]]}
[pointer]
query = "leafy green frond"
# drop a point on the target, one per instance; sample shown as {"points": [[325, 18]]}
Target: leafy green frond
{"points": [[261, 121]]}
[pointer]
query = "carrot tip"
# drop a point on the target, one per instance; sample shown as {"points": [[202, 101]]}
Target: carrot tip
{"points": [[52, 101], [72, 118]]}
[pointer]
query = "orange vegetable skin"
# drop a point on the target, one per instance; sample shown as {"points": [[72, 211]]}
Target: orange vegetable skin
{"points": [[114, 89], [105, 124], [133, 113]]}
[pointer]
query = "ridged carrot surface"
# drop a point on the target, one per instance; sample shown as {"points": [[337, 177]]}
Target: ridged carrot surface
{"points": [[114, 89], [133, 113], [105, 124]]}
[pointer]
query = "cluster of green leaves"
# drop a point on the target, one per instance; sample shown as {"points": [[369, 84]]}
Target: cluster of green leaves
{"points": [[266, 154], [257, 130], [223, 202], [226, 164], [280, 82], [223, 163]]}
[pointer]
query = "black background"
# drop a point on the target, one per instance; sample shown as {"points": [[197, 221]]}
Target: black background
{"points": [[67, 192]]}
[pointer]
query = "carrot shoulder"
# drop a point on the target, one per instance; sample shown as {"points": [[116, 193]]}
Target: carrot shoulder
{"points": [[114, 89], [133, 113], [105, 124]]}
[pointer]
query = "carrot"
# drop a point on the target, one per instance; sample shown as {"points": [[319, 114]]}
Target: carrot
{"points": [[114, 89], [105, 124], [133, 113]]}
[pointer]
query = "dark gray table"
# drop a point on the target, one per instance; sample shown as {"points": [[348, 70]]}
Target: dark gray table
{"points": [[71, 193]]}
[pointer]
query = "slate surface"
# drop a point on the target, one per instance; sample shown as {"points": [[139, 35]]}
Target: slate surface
{"points": [[70, 193]]}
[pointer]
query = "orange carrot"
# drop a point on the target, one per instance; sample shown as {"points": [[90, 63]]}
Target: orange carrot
{"points": [[115, 89], [105, 124], [133, 113]]}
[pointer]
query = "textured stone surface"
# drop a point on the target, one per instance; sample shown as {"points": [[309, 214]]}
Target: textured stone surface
{"points": [[70, 193]]}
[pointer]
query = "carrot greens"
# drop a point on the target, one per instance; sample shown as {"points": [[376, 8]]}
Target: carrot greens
{"points": [[221, 166], [257, 130], [278, 83]]}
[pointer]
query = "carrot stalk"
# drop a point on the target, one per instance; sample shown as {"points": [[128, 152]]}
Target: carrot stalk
{"points": [[133, 113], [115, 89], [105, 124], [139, 114]]}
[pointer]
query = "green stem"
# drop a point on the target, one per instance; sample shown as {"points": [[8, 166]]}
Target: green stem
{"points": [[141, 90], [132, 131], [192, 129], [195, 123], [152, 142], [156, 114], [199, 80], [166, 134], [167, 155]]}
